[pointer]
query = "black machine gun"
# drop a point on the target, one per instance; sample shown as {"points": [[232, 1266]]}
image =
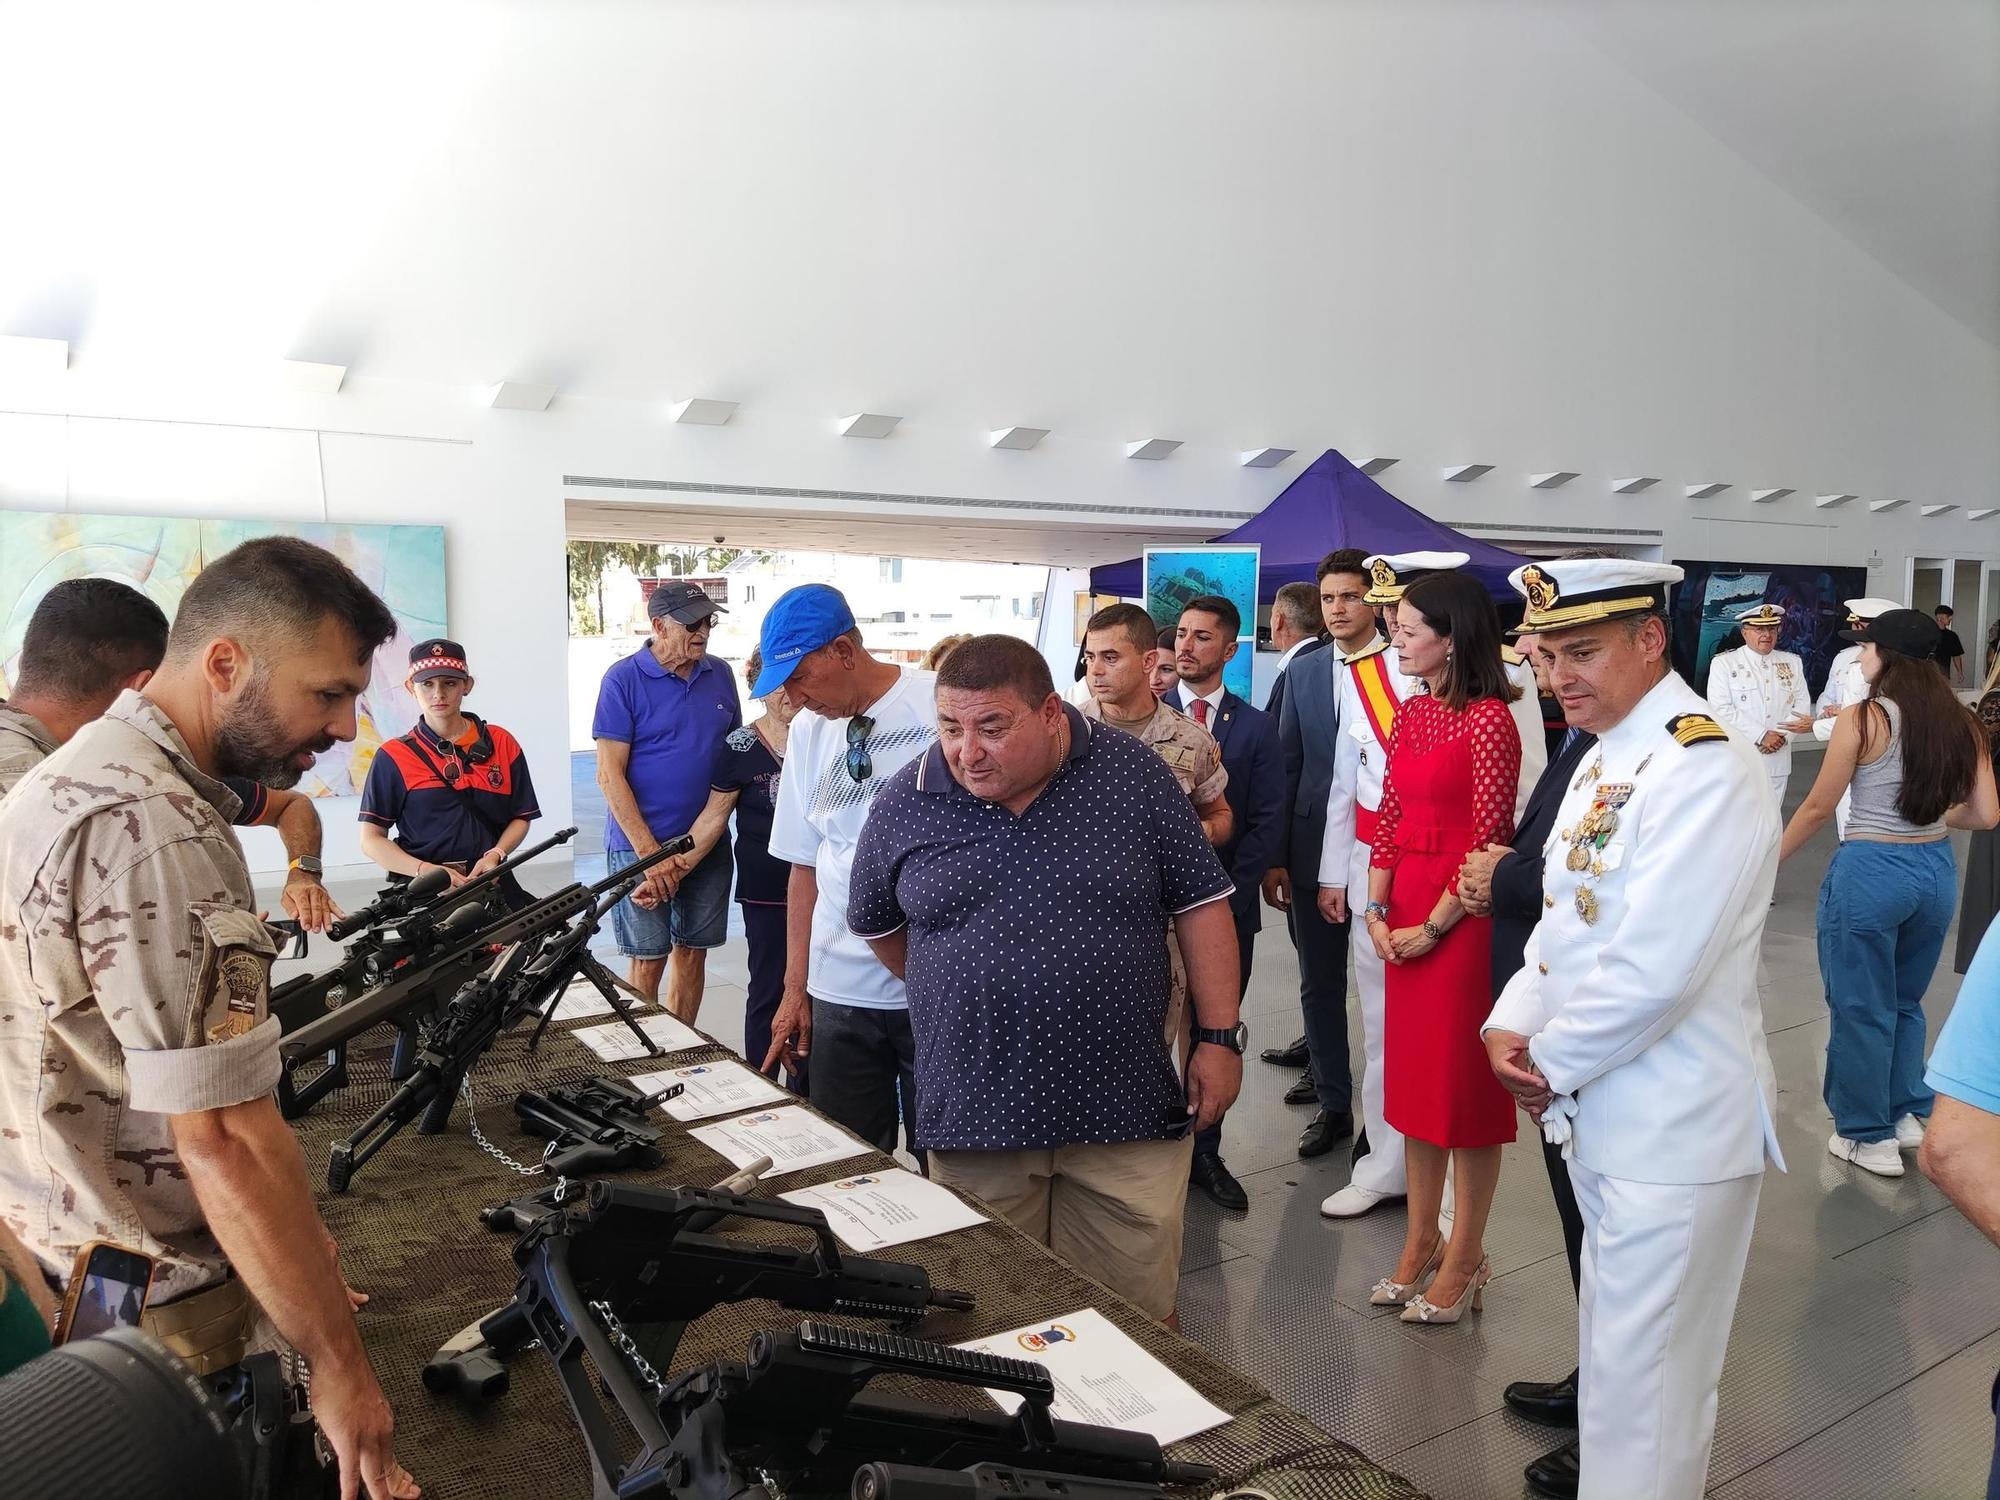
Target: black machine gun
{"points": [[462, 940], [610, 1281], [533, 970], [648, 1248], [401, 931]]}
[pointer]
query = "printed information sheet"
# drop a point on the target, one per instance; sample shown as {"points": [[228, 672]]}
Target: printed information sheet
{"points": [[614, 1041], [1101, 1376], [581, 1001], [713, 1088], [879, 1209], [794, 1138]]}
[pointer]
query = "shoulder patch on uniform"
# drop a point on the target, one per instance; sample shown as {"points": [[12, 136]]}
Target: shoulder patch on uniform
{"points": [[1362, 655], [1695, 729]]}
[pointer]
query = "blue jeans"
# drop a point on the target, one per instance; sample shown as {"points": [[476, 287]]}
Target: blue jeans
{"points": [[697, 917], [1883, 911]]}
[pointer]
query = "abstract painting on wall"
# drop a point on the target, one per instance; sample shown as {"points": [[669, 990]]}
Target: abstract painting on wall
{"points": [[160, 556], [1811, 596]]}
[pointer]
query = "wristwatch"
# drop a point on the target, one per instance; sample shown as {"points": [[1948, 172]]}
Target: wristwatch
{"points": [[307, 864], [1236, 1038]]}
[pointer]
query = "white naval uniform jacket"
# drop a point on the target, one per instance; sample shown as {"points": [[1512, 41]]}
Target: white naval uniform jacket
{"points": [[1358, 761], [1527, 712], [1845, 686], [1754, 695], [1649, 1016]]}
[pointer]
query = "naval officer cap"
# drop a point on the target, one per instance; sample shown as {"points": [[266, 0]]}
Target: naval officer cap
{"points": [[1569, 592], [1761, 614], [1861, 611], [1389, 573]]}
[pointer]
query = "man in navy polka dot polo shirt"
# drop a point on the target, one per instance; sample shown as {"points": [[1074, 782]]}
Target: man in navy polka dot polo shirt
{"points": [[1020, 877]]}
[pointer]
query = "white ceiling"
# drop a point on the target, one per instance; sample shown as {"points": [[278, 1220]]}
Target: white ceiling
{"points": [[653, 201], [1881, 116]]}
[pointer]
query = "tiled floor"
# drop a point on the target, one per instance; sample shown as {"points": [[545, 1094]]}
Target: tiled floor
{"points": [[1865, 1340]]}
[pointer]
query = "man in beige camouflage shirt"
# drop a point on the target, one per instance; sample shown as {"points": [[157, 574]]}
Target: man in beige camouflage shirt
{"points": [[1118, 658], [91, 639], [137, 1055]]}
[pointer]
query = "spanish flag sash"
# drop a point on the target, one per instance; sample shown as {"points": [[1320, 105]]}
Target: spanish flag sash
{"points": [[1378, 697]]}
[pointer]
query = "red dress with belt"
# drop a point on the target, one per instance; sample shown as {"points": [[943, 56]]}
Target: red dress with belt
{"points": [[1449, 789]]}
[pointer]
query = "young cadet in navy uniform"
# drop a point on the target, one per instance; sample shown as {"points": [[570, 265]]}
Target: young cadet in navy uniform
{"points": [[455, 788]]}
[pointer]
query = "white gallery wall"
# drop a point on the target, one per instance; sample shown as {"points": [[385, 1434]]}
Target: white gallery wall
{"points": [[1541, 238]]}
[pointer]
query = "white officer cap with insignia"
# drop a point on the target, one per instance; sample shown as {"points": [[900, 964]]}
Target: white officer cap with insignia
{"points": [[1389, 573], [1766, 613], [1868, 609], [1567, 592]]}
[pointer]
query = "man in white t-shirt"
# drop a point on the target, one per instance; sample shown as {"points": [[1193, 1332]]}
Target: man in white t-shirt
{"points": [[861, 720]]}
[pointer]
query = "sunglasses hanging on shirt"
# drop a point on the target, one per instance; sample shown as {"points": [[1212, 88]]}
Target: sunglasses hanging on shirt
{"points": [[859, 766]]}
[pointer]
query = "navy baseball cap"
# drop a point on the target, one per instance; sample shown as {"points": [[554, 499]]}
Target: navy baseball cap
{"points": [[437, 657], [804, 619], [1908, 632], [684, 601]]}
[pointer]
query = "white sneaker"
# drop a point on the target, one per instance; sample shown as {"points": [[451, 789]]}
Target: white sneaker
{"points": [[1880, 1157], [1909, 1133], [1351, 1202]]}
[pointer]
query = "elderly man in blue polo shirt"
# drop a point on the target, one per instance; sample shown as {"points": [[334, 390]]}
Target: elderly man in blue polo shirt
{"points": [[1020, 877], [661, 714]]}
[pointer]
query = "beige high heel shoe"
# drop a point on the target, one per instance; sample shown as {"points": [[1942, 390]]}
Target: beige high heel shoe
{"points": [[1387, 1293], [1423, 1310]]}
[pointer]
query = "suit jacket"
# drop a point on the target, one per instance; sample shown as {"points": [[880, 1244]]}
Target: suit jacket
{"points": [[1308, 735], [1248, 740], [1274, 705], [1517, 878]]}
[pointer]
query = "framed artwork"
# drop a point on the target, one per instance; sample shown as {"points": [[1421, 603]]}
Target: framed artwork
{"points": [[1174, 575], [160, 556], [1812, 596]]}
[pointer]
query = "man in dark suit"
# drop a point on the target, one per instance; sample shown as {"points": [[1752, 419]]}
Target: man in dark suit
{"points": [[1204, 640], [1308, 732], [1506, 883], [1295, 631]]}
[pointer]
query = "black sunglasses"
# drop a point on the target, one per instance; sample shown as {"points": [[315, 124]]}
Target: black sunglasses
{"points": [[859, 766]]}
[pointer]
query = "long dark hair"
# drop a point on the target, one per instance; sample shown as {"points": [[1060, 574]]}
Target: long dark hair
{"points": [[1941, 741], [1457, 606]]}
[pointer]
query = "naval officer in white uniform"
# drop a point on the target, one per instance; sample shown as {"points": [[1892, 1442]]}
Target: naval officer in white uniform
{"points": [[1633, 1030], [1760, 692], [1845, 686]]}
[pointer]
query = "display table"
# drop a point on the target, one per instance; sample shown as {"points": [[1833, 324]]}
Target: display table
{"points": [[410, 1237]]}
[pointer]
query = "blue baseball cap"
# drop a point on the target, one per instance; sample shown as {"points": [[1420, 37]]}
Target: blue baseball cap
{"points": [[804, 619]]}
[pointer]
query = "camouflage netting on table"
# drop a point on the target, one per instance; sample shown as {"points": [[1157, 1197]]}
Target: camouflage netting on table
{"points": [[410, 1236]]}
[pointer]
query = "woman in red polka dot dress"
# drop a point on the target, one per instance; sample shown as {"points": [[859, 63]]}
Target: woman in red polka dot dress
{"points": [[1454, 764]]}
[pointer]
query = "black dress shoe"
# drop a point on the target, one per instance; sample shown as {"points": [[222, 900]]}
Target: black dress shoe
{"points": [[1324, 1132], [1556, 1475], [1550, 1402], [1302, 1092], [1293, 1056], [1213, 1177]]}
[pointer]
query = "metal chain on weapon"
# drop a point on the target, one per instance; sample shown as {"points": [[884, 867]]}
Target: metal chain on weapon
{"points": [[479, 1139], [623, 1342]]}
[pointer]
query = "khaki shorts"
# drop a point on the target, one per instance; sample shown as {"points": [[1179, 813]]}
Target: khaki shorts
{"points": [[1113, 1212]]}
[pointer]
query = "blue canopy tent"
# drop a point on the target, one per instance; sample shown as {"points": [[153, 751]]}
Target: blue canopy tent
{"points": [[1333, 504]]}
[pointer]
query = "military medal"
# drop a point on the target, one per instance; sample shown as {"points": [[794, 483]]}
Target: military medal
{"points": [[1586, 905]]}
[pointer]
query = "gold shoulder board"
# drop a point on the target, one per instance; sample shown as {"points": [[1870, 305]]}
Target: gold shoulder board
{"points": [[1375, 650], [1695, 729], [1512, 657]]}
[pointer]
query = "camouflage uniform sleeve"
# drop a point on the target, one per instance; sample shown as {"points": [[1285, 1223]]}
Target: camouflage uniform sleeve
{"points": [[182, 976], [1209, 776], [15, 763]]}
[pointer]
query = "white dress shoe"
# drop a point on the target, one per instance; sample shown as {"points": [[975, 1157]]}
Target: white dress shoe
{"points": [[1909, 1133], [1880, 1157], [1351, 1202]]}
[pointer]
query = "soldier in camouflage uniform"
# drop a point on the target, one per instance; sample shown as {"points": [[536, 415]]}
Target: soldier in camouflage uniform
{"points": [[91, 639], [1118, 669], [137, 1055]]}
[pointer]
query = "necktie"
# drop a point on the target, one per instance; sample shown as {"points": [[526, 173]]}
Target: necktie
{"points": [[1569, 738], [1201, 712]]}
